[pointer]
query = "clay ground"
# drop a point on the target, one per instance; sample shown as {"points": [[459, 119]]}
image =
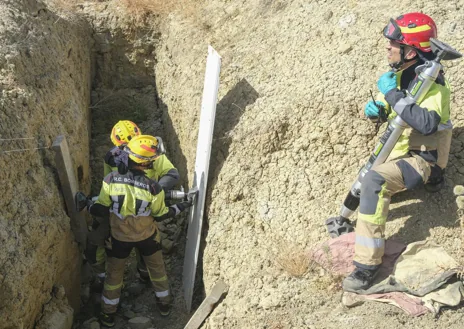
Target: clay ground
{"points": [[290, 137]]}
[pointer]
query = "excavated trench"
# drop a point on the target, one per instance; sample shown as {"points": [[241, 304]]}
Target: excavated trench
{"points": [[74, 75], [124, 87]]}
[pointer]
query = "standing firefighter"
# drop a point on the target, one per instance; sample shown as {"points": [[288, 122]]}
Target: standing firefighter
{"points": [[420, 155], [161, 170], [134, 202]]}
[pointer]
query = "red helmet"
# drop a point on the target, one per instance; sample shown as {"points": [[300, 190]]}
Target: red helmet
{"points": [[412, 29]]}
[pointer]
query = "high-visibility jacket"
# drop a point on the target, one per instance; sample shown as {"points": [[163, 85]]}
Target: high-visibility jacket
{"points": [[429, 132], [163, 170], [134, 201]]}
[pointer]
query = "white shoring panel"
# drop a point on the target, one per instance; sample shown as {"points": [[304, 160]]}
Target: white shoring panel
{"points": [[205, 138]]}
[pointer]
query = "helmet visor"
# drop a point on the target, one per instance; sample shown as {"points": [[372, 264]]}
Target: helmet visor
{"points": [[392, 31], [141, 157]]}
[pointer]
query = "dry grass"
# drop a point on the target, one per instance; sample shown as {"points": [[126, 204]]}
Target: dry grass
{"points": [[327, 281], [293, 259]]}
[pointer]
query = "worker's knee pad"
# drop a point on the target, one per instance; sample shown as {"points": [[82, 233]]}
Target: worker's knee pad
{"points": [[411, 177], [370, 189]]}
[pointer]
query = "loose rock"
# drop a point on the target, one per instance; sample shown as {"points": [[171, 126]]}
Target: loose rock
{"points": [[140, 322]]}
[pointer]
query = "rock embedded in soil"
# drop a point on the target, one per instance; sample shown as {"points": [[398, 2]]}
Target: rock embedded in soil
{"points": [[136, 288], [167, 245], [138, 307], [460, 201], [140, 322], [95, 325], [458, 190], [129, 314]]}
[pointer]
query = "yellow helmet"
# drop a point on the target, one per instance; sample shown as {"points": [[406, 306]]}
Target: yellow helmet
{"points": [[123, 132], [143, 148]]}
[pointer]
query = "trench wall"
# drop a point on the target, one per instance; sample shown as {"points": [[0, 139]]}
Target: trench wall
{"points": [[44, 91]]}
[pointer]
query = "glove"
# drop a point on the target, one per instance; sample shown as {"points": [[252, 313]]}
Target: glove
{"points": [[181, 206], [387, 82], [371, 110]]}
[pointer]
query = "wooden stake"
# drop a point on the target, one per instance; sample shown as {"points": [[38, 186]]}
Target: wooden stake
{"points": [[69, 188], [207, 305]]}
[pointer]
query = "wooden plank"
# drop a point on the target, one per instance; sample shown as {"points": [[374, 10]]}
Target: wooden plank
{"points": [[69, 188], [207, 305], [205, 137]]}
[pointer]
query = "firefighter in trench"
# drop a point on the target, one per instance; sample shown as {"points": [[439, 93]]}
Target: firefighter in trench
{"points": [[161, 170], [133, 202], [421, 154]]}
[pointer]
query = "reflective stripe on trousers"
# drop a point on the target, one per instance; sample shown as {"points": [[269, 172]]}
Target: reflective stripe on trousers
{"points": [[115, 271], [377, 188]]}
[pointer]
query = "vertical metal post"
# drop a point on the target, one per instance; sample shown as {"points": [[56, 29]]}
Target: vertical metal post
{"points": [[205, 137]]}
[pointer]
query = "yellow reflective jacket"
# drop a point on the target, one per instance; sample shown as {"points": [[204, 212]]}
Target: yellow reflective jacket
{"points": [[433, 147], [133, 200]]}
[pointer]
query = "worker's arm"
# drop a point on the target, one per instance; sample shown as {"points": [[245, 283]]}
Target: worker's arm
{"points": [[167, 173], [159, 210], [110, 164], [425, 118], [101, 207], [169, 180]]}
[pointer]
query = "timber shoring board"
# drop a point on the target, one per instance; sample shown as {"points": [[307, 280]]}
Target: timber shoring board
{"points": [[69, 186], [207, 305]]}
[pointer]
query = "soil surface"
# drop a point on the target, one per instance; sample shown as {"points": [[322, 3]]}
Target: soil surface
{"points": [[290, 136]]}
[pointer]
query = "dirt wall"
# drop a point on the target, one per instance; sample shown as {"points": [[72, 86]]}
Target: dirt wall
{"points": [[290, 138], [44, 85]]}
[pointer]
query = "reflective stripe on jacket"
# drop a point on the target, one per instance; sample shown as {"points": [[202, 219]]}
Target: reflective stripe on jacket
{"points": [[133, 199], [430, 119]]}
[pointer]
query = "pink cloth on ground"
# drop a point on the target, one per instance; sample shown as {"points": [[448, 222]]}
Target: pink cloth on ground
{"points": [[336, 256]]}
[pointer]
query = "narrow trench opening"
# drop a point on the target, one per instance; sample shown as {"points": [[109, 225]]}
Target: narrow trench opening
{"points": [[124, 89]]}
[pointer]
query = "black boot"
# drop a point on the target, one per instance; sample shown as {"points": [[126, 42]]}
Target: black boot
{"points": [[106, 320], [164, 309], [359, 279]]}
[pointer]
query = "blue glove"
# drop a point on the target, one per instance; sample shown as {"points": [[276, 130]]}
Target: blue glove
{"points": [[387, 82], [371, 110]]}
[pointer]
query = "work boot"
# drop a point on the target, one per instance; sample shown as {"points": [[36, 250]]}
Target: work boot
{"points": [[359, 279], [164, 309], [106, 320], [434, 186]]}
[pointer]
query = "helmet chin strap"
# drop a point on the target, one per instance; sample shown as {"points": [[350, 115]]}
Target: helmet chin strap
{"points": [[398, 65]]}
